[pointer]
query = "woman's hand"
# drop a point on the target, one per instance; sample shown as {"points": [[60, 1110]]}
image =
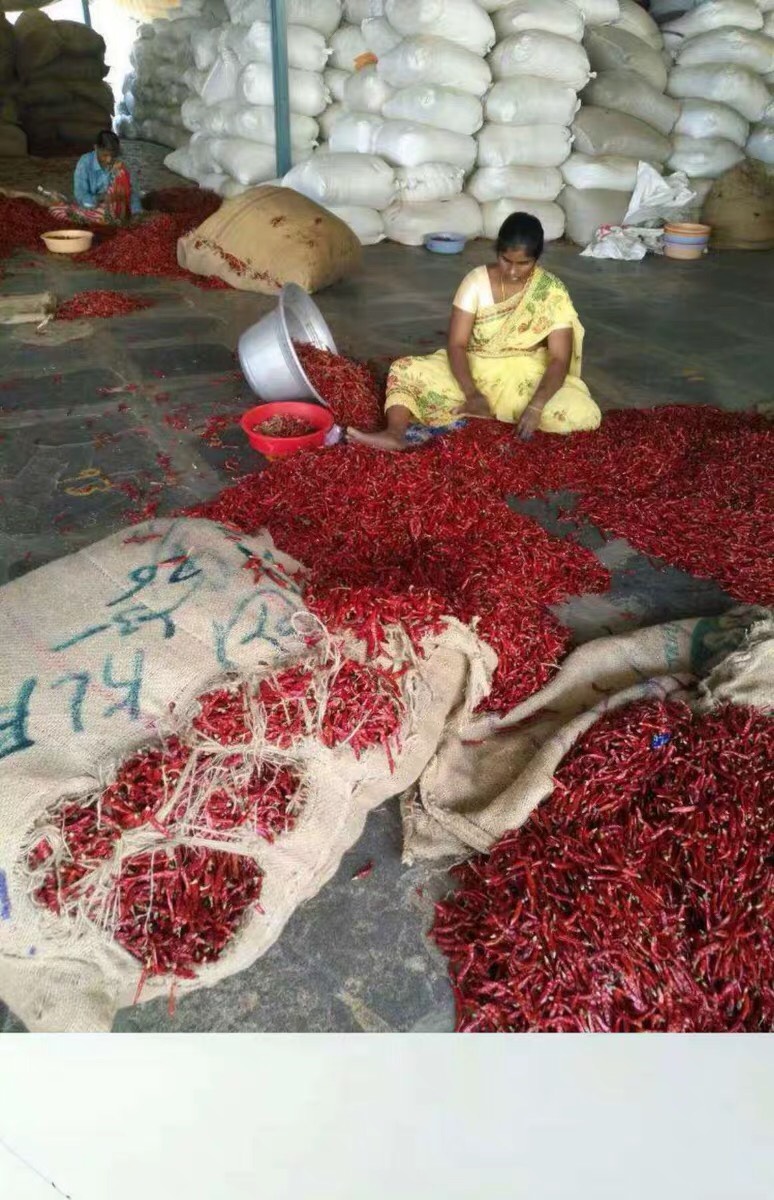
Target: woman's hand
{"points": [[530, 420], [475, 404]]}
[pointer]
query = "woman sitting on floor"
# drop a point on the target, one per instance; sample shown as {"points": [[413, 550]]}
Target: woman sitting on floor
{"points": [[514, 353], [102, 187]]}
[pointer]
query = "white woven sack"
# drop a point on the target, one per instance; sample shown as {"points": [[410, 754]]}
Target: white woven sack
{"points": [[347, 45], [307, 48], [705, 159], [204, 47], [246, 161], [222, 79], [613, 49], [362, 180], [329, 119], [324, 15], [357, 11], [429, 182], [761, 144], [599, 12], [406, 144], [602, 131], [426, 59], [410, 224], [365, 223], [523, 145], [439, 107], [355, 133], [365, 91], [635, 20], [768, 24], [746, 93], [768, 116], [181, 162], [551, 16], [754, 51], [531, 183], [379, 36], [717, 14], [624, 92], [335, 81], [530, 100], [251, 121], [221, 185], [550, 215], [544, 54], [705, 119], [460, 21], [585, 211], [610, 171], [308, 93]]}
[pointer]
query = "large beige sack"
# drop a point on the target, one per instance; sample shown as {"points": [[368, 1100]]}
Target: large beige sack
{"points": [[613, 49], [279, 235], [740, 209], [40, 41], [602, 131], [13, 141], [625, 92], [585, 210]]}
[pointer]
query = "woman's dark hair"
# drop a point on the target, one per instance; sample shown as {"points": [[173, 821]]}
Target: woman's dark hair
{"points": [[107, 140], [521, 231]]}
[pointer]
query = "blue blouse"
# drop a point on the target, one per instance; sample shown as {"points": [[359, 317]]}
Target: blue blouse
{"points": [[92, 181]]}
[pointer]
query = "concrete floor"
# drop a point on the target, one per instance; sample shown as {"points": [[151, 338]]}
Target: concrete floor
{"points": [[102, 401]]}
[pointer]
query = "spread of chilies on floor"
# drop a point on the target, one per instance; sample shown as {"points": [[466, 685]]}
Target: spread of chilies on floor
{"points": [[514, 353]]}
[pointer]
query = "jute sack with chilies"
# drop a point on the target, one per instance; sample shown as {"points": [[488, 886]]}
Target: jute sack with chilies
{"points": [[279, 235], [740, 209], [143, 623]]}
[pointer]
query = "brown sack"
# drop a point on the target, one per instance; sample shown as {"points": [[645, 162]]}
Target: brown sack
{"points": [[740, 209], [278, 236]]}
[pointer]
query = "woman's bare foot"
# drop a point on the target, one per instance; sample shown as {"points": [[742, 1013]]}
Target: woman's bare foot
{"points": [[386, 440]]}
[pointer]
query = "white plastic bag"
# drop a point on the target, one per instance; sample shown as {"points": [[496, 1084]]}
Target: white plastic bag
{"points": [[544, 54], [731, 85], [362, 180], [410, 224], [406, 144], [623, 243], [429, 182], [324, 15], [613, 49], [550, 215], [717, 14], [530, 100], [379, 36], [366, 223], [245, 161], [460, 21], [531, 183], [355, 133], [609, 171], [307, 49], [308, 93], [708, 158], [365, 91], [346, 45], [754, 51], [656, 198], [221, 81], [523, 145], [602, 131], [625, 92], [705, 119], [251, 121], [585, 211], [552, 16], [439, 107], [426, 59]]}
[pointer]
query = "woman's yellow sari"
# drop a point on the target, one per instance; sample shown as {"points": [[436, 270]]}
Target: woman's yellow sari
{"points": [[507, 362]]}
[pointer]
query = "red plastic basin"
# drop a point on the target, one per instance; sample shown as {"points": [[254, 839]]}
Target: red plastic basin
{"points": [[281, 447]]}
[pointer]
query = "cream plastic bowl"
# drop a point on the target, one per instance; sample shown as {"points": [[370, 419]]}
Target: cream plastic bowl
{"points": [[68, 241]]}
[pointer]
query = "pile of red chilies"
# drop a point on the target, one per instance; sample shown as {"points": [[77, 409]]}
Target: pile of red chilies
{"points": [[348, 387], [284, 427], [639, 897], [99, 304]]}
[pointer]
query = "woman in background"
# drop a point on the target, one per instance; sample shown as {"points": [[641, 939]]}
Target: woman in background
{"points": [[513, 354], [102, 187]]}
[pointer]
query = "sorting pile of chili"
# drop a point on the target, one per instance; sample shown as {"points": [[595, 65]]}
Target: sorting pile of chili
{"points": [[100, 304], [347, 387], [285, 427], [639, 896]]}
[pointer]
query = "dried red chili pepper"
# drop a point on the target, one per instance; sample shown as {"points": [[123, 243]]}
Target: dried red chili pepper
{"points": [[348, 387], [100, 304]]}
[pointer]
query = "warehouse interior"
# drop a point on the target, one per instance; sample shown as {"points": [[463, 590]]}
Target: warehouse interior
{"points": [[124, 384]]}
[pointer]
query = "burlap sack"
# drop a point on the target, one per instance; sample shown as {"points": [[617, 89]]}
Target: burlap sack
{"points": [[40, 41], [13, 141], [279, 236], [105, 650], [6, 51], [489, 774], [740, 209], [56, 96]]}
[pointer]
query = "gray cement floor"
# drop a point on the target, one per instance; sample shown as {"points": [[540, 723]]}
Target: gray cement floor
{"points": [[102, 406]]}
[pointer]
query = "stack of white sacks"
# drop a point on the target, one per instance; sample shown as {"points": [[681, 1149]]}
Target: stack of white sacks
{"points": [[722, 74], [404, 142], [346, 48], [625, 118], [154, 91], [231, 112], [539, 66]]}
